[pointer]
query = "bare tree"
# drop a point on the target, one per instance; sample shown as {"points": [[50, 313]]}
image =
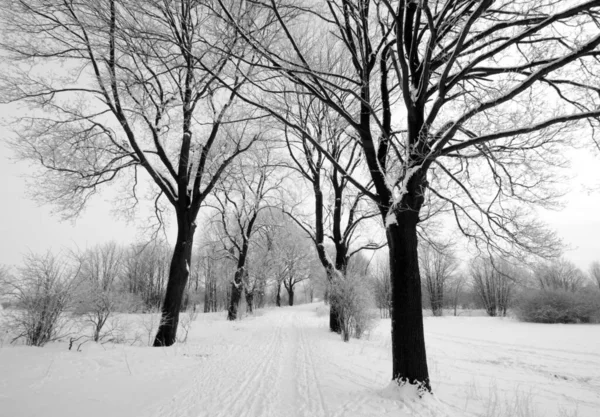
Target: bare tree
{"points": [[259, 271], [42, 290], [4, 280], [493, 281], [242, 199], [559, 275], [339, 221], [147, 271], [595, 272], [293, 259], [438, 266], [457, 285], [100, 269], [217, 270], [383, 289], [132, 96], [473, 81]]}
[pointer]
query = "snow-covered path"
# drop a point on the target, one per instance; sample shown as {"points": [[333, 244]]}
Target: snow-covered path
{"points": [[286, 364], [283, 362]]}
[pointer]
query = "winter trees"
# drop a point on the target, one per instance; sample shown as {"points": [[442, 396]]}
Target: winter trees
{"points": [[242, 198], [292, 260], [559, 275], [43, 290], [382, 288], [294, 256], [146, 271], [4, 280], [339, 211], [100, 268], [595, 272], [487, 92], [493, 281], [438, 266], [128, 91]]}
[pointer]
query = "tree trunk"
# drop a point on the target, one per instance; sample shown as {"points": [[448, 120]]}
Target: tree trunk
{"points": [[237, 286], [334, 319], [250, 302], [437, 306], [291, 296], [178, 277], [215, 298], [409, 359], [207, 300], [278, 298]]}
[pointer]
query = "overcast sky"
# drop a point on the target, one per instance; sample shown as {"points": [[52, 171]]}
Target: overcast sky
{"points": [[25, 226]]}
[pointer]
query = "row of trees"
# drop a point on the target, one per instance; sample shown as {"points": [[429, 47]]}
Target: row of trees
{"points": [[99, 282], [484, 96], [492, 283]]}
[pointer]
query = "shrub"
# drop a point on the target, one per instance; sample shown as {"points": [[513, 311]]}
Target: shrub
{"points": [[355, 305], [42, 292], [97, 306], [559, 306]]}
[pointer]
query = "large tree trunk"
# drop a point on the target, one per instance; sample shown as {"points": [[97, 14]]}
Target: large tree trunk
{"points": [[291, 296], [408, 340], [334, 319], [178, 277], [334, 316], [237, 286]]}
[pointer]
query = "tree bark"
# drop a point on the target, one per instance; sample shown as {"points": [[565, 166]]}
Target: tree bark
{"points": [[408, 339], [278, 298], [237, 286], [290, 296], [334, 316], [334, 319], [178, 277]]}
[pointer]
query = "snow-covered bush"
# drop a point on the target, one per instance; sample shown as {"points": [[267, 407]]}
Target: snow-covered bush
{"points": [[185, 324], [96, 306], [150, 323], [355, 305], [42, 292], [559, 306]]}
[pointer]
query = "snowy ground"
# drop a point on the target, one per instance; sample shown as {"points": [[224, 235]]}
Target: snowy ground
{"points": [[284, 363]]}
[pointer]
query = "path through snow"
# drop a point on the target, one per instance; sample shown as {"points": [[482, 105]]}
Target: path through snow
{"points": [[283, 362]]}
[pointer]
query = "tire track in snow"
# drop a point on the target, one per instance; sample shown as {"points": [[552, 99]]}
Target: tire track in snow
{"points": [[311, 386], [266, 399], [238, 396], [211, 395]]}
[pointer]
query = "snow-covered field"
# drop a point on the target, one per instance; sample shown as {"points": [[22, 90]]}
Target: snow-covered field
{"points": [[284, 363]]}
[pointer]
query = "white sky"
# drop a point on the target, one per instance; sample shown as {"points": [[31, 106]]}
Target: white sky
{"points": [[26, 226]]}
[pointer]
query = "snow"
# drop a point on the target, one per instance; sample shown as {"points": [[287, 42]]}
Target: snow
{"points": [[413, 93], [285, 362], [391, 218]]}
